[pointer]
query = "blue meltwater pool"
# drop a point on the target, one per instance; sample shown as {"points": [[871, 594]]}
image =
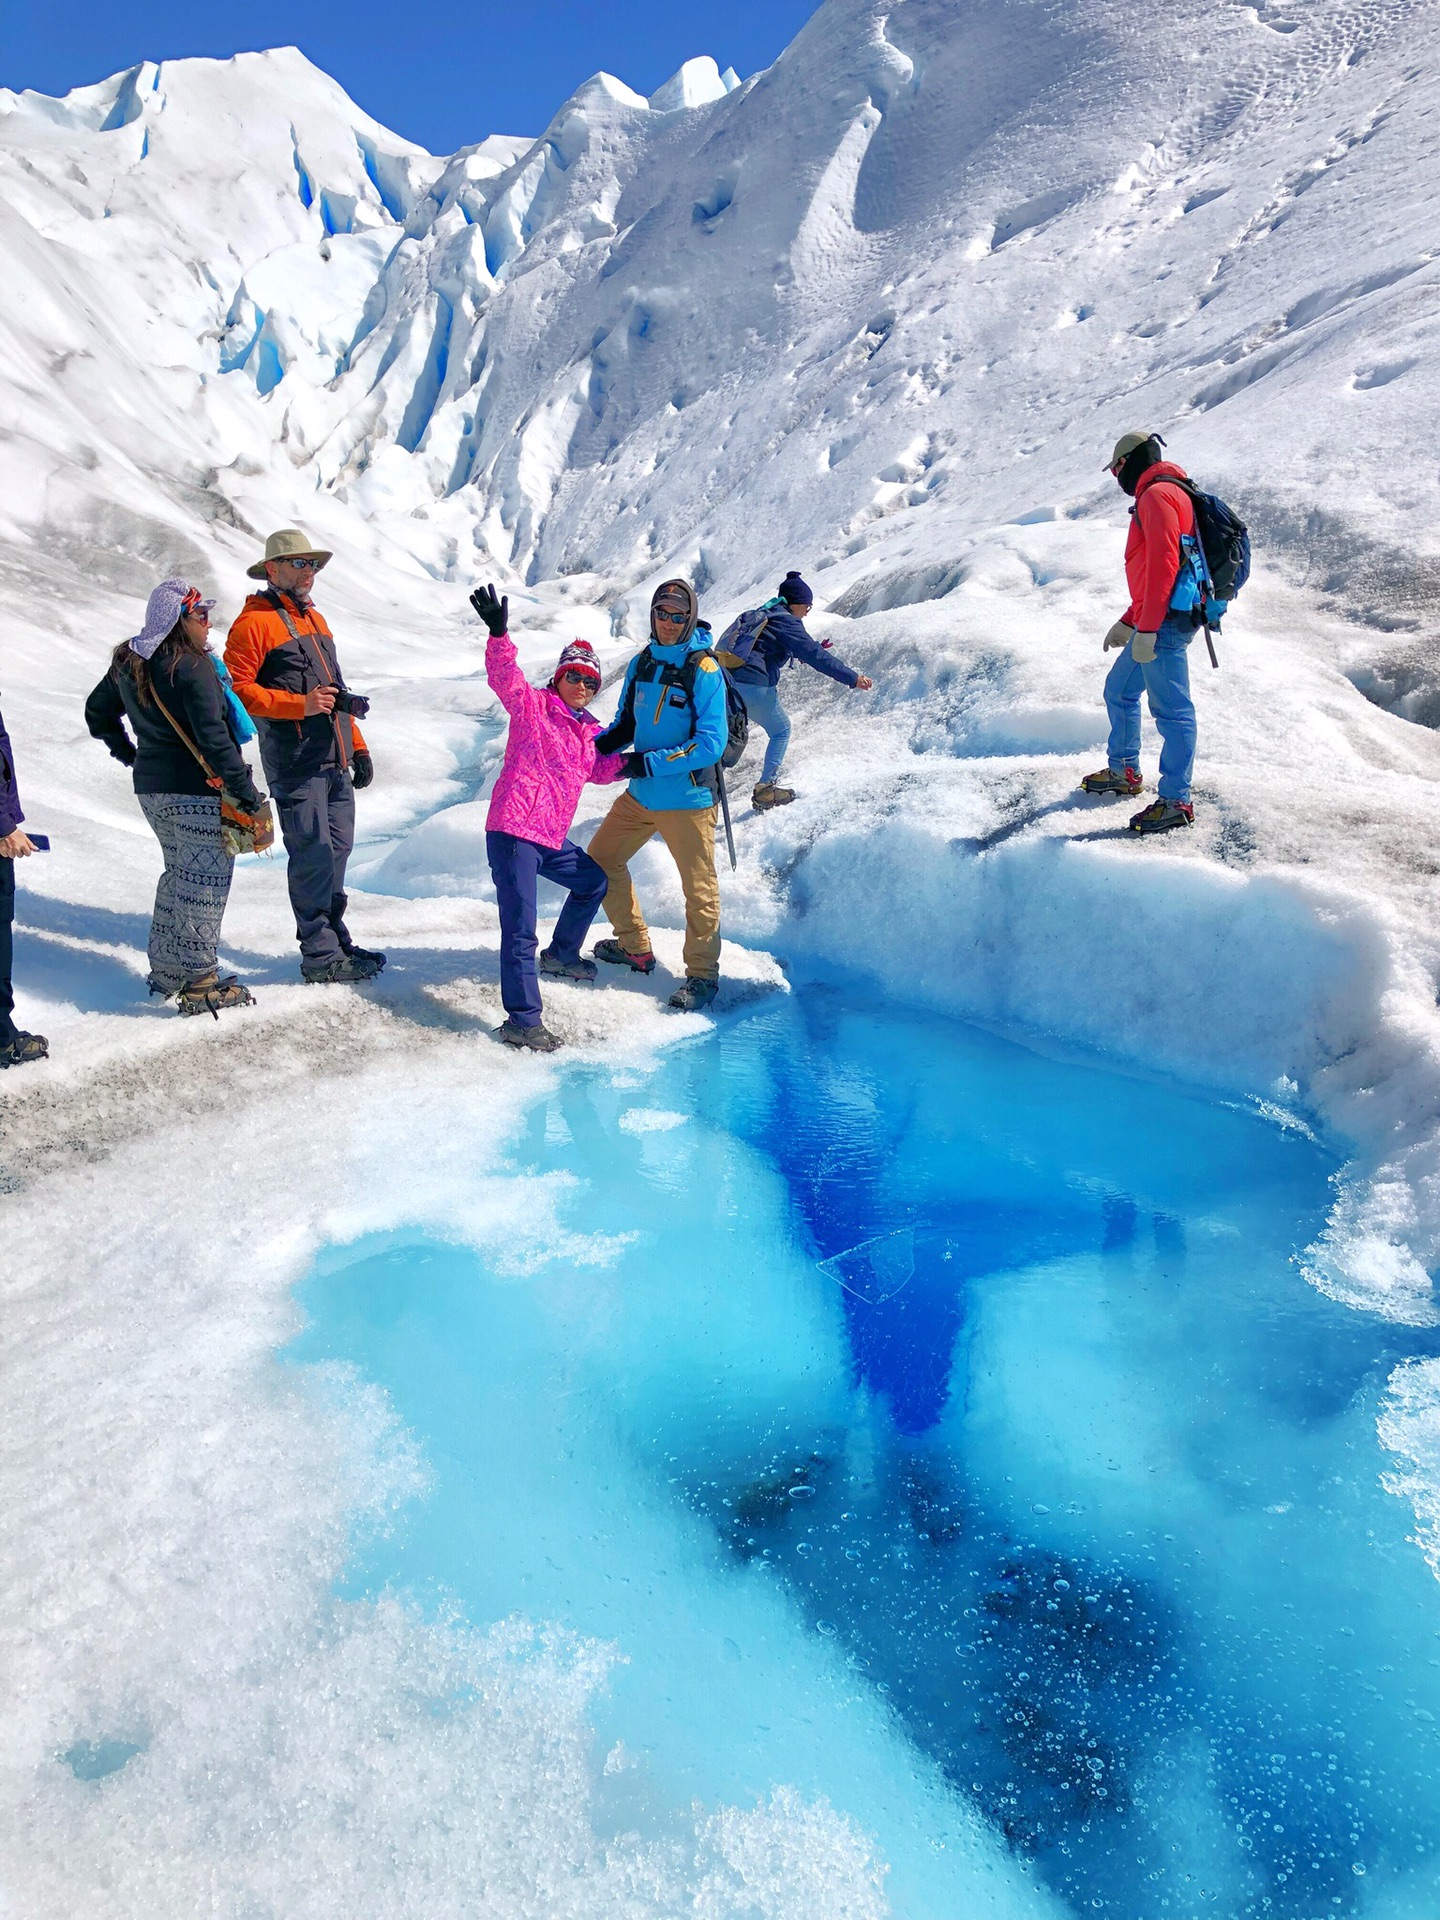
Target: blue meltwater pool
{"points": [[946, 1430]]}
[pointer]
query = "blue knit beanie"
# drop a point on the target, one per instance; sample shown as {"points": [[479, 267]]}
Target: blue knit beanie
{"points": [[794, 592]]}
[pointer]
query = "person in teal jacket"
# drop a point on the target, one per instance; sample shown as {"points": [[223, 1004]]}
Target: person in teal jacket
{"points": [[672, 720]]}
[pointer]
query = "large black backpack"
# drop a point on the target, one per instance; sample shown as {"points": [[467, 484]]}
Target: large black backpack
{"points": [[1224, 541]]}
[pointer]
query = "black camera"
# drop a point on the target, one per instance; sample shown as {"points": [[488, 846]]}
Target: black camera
{"points": [[355, 704]]}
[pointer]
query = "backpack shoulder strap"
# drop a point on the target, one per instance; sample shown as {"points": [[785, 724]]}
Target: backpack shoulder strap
{"points": [[212, 779], [305, 641]]}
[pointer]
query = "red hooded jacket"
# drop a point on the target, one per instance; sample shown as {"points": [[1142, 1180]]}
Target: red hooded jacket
{"points": [[1162, 516]]}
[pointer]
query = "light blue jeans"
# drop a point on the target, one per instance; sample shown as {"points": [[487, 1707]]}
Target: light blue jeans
{"points": [[1166, 680], [762, 703]]}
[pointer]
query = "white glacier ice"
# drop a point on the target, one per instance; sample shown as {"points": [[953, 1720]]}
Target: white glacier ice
{"points": [[878, 313]]}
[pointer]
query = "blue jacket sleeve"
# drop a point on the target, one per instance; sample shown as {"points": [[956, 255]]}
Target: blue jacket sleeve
{"points": [[712, 730], [800, 646]]}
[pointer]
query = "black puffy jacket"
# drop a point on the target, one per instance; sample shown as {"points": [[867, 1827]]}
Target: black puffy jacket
{"points": [[159, 759]]}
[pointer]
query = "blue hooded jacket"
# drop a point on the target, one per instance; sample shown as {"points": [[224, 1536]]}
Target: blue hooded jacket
{"points": [[679, 745], [783, 640]]}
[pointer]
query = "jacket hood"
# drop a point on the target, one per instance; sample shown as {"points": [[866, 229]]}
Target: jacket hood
{"points": [[683, 589]]}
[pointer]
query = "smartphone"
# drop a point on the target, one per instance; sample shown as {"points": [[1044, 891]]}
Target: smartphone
{"points": [[40, 842]]}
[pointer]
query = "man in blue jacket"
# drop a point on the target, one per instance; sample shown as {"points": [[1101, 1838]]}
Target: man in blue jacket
{"points": [[672, 717], [16, 1046], [781, 639]]}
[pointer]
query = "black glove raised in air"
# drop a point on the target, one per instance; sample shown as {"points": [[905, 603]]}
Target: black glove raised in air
{"points": [[362, 767], [494, 612]]}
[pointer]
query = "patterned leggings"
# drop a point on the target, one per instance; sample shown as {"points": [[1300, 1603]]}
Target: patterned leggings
{"points": [[190, 899]]}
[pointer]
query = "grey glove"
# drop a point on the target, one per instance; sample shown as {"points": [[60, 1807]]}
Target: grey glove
{"points": [[1118, 636], [1142, 648]]}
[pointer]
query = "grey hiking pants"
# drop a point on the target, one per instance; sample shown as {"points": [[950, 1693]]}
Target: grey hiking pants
{"points": [[317, 821]]}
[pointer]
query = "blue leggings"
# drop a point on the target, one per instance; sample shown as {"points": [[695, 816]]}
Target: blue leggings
{"points": [[765, 711], [516, 865], [1166, 681]]}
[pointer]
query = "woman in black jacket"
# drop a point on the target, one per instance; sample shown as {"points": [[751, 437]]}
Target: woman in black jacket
{"points": [[164, 681]]}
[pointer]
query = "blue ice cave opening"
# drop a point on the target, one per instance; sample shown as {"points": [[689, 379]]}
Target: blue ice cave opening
{"points": [[889, 1362]]}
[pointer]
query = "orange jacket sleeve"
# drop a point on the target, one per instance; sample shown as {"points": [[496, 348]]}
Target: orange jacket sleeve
{"points": [[357, 736], [245, 650]]}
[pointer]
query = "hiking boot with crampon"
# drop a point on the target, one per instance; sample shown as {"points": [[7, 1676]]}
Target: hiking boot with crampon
{"points": [[694, 995], [615, 955], [531, 1039], [345, 967], [1161, 815], [213, 996], [561, 969], [21, 1048], [1122, 780], [767, 795]]}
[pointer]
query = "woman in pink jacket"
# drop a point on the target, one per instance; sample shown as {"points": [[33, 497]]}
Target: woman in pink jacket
{"points": [[549, 756]]}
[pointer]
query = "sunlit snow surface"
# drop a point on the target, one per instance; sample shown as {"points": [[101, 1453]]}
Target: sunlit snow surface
{"points": [[934, 1373]]}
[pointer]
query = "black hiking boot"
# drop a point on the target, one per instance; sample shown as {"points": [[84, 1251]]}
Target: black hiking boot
{"points": [[532, 1039], [21, 1048], [1161, 815], [767, 795], [694, 995], [558, 969], [1122, 780], [615, 955], [338, 903], [213, 996], [343, 968]]}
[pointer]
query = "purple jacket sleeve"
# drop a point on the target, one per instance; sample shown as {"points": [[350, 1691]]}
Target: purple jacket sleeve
{"points": [[11, 811], [509, 685]]}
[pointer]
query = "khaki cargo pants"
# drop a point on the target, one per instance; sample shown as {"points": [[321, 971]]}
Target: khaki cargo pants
{"points": [[689, 833]]}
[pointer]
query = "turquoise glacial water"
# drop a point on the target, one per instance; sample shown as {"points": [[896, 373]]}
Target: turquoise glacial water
{"points": [[931, 1423]]}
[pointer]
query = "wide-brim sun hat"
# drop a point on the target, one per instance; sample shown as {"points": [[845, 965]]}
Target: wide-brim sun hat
{"points": [[289, 544]]}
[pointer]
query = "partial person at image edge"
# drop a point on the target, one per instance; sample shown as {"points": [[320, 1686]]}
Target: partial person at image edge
{"points": [[282, 658], [17, 1048]]}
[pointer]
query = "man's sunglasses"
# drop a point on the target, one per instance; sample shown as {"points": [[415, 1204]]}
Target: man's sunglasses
{"points": [[302, 566], [672, 616]]}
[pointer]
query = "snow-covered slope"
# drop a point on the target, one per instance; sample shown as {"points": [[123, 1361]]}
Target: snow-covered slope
{"points": [[878, 312]]}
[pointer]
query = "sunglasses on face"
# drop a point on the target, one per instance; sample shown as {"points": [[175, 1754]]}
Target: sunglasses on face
{"points": [[670, 617], [578, 679], [303, 566]]}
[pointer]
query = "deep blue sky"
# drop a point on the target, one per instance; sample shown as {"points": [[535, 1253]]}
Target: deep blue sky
{"points": [[441, 75]]}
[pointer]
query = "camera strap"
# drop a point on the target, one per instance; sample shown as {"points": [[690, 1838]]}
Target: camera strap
{"points": [[308, 645]]}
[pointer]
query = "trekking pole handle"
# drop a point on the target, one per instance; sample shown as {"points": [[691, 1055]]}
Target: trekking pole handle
{"points": [[1211, 645]]}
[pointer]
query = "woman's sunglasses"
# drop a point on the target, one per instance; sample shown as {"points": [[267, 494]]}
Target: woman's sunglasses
{"points": [[580, 679]]}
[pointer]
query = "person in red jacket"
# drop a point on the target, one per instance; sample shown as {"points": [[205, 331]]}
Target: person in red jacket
{"points": [[1162, 570]]}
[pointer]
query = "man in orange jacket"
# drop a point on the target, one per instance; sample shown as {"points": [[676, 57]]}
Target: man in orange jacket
{"points": [[282, 660], [1163, 573]]}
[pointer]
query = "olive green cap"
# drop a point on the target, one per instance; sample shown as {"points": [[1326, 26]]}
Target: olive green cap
{"points": [[1125, 446]]}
